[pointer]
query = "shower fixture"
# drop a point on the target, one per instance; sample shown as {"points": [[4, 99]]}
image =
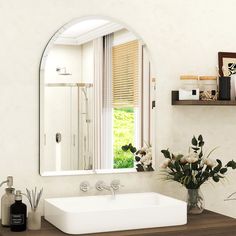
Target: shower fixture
{"points": [[84, 90], [62, 71]]}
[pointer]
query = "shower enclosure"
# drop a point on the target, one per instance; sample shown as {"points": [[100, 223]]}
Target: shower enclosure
{"points": [[68, 115]]}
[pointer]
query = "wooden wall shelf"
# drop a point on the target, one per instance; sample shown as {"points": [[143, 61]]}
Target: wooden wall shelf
{"points": [[175, 101]]}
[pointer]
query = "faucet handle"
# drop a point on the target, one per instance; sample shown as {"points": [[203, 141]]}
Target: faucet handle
{"points": [[100, 185], [84, 186], [115, 184]]}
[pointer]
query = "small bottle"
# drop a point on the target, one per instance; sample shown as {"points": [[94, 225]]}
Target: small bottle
{"points": [[7, 200], [18, 214]]}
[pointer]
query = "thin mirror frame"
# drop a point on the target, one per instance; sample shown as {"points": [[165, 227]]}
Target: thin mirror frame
{"points": [[46, 50]]}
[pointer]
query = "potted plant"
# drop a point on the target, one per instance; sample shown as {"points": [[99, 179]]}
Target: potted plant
{"points": [[193, 170]]}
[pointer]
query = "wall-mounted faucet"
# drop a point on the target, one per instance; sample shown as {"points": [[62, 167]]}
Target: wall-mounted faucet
{"points": [[113, 187], [84, 186]]}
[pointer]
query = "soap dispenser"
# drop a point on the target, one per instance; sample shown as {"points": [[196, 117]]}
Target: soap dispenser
{"points": [[6, 201], [18, 212]]}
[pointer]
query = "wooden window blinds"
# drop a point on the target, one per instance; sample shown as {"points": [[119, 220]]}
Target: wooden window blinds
{"points": [[125, 74]]}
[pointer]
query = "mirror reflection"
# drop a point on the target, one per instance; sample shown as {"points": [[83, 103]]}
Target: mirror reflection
{"points": [[96, 100]]}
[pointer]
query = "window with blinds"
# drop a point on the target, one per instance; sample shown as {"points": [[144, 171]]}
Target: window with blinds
{"points": [[125, 75]]}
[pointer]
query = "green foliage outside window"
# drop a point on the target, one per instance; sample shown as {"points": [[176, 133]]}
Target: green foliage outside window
{"points": [[123, 132]]}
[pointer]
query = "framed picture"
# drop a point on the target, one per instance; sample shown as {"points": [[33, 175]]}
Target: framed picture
{"points": [[227, 63]]}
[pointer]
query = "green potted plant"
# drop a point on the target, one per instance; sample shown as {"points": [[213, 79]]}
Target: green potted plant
{"points": [[193, 170]]}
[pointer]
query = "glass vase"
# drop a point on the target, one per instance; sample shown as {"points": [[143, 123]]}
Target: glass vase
{"points": [[195, 201], [34, 220]]}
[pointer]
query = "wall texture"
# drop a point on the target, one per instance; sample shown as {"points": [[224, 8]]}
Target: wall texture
{"points": [[183, 37]]}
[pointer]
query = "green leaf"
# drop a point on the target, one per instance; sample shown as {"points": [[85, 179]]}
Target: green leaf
{"points": [[187, 180], [200, 138], [186, 167], [200, 155], [218, 167], [205, 174], [139, 168], [216, 178], [177, 166], [194, 141], [194, 166], [149, 168], [212, 173], [171, 165], [125, 148], [133, 149], [223, 170], [177, 176], [201, 143], [231, 164], [198, 175], [166, 153]]}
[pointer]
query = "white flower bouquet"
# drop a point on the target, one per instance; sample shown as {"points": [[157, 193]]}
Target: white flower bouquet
{"points": [[194, 169], [142, 157]]}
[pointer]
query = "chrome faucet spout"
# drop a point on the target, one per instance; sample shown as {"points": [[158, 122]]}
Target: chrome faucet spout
{"points": [[112, 188], [113, 193]]}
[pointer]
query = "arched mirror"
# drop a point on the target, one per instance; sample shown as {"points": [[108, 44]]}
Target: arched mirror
{"points": [[96, 101]]}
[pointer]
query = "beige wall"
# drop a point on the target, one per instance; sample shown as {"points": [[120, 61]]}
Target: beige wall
{"points": [[87, 63], [183, 36]]}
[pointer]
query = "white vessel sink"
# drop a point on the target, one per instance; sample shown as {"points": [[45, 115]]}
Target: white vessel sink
{"points": [[93, 214]]}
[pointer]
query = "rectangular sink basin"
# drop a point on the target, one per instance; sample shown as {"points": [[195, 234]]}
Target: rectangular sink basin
{"points": [[93, 214]]}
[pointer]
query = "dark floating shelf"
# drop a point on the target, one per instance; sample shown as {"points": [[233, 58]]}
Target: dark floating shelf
{"points": [[175, 101]]}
